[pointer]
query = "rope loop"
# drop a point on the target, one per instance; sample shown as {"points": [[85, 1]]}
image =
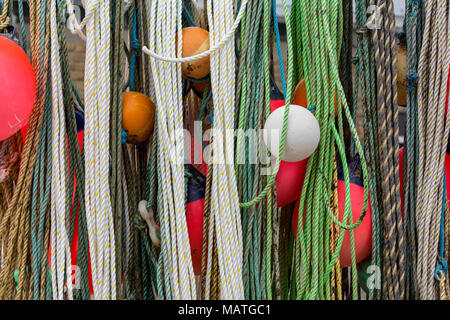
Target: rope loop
{"points": [[203, 54], [74, 26]]}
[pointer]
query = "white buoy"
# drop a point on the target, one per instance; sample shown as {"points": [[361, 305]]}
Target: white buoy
{"points": [[303, 133]]}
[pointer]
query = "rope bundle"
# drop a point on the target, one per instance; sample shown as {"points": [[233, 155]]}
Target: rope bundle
{"points": [[433, 131], [414, 29], [225, 220], [60, 261], [16, 252], [96, 139], [253, 103], [393, 251], [63, 199], [175, 251], [313, 259]]}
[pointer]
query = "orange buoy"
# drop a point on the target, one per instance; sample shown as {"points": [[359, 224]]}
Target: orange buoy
{"points": [[138, 116], [195, 41], [300, 97]]}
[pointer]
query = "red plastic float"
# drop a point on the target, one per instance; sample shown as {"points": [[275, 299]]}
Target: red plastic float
{"points": [[362, 233], [17, 90]]}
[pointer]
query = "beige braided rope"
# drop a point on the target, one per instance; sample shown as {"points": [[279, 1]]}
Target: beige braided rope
{"points": [[16, 243], [434, 128], [4, 19]]}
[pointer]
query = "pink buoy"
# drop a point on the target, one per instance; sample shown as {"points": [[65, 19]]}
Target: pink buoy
{"points": [[17, 89]]}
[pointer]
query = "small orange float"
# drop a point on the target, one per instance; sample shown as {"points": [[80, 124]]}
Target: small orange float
{"points": [[138, 116], [195, 41], [300, 97]]}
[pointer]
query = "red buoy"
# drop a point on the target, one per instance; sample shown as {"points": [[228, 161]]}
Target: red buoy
{"points": [[17, 89], [362, 233]]}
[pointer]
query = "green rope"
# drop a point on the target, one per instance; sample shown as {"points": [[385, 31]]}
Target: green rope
{"points": [[322, 79]]}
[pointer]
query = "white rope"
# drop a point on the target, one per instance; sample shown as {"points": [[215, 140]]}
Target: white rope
{"points": [[96, 137], [224, 196], [175, 248], [217, 45], [61, 266]]}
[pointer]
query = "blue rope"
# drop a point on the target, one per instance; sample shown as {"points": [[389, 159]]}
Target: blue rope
{"points": [[412, 81], [136, 47], [280, 56], [188, 16], [204, 105]]}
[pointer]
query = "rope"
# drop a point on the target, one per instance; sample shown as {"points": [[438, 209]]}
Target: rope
{"points": [[96, 140], [225, 211], [387, 111], [60, 249], [365, 83], [16, 244], [433, 128], [313, 262], [413, 28], [175, 249], [4, 16], [218, 45]]}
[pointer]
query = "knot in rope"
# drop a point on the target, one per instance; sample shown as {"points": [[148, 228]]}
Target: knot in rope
{"points": [[136, 45], [139, 222], [412, 80], [441, 268], [4, 22], [73, 25], [124, 137], [148, 216], [401, 37], [6, 165]]}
